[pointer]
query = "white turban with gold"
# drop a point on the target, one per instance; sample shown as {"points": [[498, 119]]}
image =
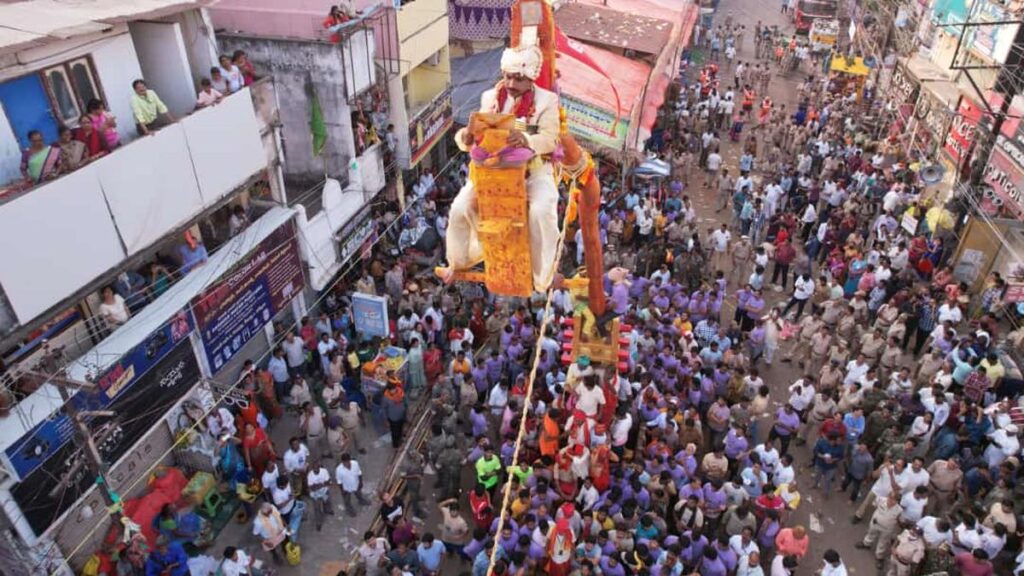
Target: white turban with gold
{"points": [[525, 60]]}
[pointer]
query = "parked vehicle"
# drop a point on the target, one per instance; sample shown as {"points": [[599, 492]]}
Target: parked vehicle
{"points": [[807, 11]]}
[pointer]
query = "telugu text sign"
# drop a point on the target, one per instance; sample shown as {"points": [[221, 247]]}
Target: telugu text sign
{"points": [[232, 311], [594, 124]]}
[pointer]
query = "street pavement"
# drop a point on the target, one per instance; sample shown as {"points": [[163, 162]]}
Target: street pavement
{"points": [[827, 520]]}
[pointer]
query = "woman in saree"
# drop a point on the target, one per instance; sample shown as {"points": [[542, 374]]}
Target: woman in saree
{"points": [[183, 526], [93, 139], [258, 449], [39, 161]]}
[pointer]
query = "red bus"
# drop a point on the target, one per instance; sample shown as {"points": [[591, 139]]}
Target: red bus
{"points": [[808, 11]]}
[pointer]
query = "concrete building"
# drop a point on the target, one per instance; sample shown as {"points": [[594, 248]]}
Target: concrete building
{"points": [[421, 94], [168, 221], [348, 72]]}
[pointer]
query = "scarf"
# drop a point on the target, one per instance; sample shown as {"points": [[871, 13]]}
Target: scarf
{"points": [[524, 106]]}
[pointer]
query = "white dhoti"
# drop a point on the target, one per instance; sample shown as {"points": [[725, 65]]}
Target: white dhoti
{"points": [[463, 244]]}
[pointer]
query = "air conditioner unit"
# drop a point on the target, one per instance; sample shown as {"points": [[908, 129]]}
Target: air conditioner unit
{"points": [[434, 59]]}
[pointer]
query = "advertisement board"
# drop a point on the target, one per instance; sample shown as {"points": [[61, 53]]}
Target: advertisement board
{"points": [[56, 485], [594, 124], [962, 129], [370, 315], [992, 41], [1006, 178], [44, 441], [429, 125], [903, 89], [229, 313]]}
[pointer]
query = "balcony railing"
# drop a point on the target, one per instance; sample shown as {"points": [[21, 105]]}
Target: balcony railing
{"points": [[122, 203]]}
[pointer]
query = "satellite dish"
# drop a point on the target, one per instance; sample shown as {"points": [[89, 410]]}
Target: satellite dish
{"points": [[932, 174]]}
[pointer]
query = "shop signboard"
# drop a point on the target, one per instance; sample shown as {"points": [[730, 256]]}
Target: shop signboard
{"points": [[146, 396], [933, 120], [1005, 169], [594, 124], [355, 235], [370, 315], [962, 129], [231, 312], [47, 438], [986, 38], [903, 89], [1006, 178], [429, 125]]}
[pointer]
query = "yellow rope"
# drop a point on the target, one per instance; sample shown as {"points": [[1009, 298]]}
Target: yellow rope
{"points": [[528, 404]]}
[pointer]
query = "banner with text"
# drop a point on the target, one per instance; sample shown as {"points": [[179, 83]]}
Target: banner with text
{"points": [[429, 125], [232, 311], [53, 488], [594, 124], [41, 443]]}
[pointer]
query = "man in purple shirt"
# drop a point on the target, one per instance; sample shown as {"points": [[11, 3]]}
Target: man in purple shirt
{"points": [[787, 422]]}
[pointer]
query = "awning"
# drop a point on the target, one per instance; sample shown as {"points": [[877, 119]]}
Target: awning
{"points": [[177, 297], [471, 76], [853, 66], [38, 22], [590, 103]]}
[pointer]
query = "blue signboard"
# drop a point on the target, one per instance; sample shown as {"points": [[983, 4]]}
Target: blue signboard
{"points": [[47, 438], [370, 315], [232, 311]]}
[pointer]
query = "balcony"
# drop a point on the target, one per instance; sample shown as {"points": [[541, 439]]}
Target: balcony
{"points": [[85, 223]]}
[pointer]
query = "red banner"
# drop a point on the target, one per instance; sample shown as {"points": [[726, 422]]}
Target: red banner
{"points": [[962, 130]]}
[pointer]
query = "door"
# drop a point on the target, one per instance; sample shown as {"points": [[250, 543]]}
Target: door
{"points": [[28, 108]]}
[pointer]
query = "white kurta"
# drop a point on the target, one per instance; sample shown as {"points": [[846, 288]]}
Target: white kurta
{"points": [[462, 243]]}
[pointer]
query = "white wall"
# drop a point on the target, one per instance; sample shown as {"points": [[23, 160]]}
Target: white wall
{"points": [[60, 237], [359, 54], [150, 187], [316, 239], [10, 151], [117, 66], [161, 50]]}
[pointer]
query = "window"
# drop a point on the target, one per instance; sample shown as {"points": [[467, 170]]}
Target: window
{"points": [[71, 86]]}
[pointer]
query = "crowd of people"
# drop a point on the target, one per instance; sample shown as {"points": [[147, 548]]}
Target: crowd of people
{"points": [[830, 264], [97, 131]]}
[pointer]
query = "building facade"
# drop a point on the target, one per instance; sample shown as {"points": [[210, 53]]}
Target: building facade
{"points": [[112, 269]]}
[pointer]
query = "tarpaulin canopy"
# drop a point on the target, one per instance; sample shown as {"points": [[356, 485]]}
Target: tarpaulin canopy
{"points": [[583, 83], [471, 76], [853, 66]]}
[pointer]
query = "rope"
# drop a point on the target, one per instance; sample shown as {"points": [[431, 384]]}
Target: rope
{"points": [[528, 404]]}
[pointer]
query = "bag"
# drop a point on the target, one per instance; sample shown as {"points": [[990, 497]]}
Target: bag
{"points": [[293, 553]]}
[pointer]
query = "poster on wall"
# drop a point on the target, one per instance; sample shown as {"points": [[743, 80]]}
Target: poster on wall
{"points": [[429, 125], [594, 124], [146, 397], [370, 315], [42, 442], [229, 313]]}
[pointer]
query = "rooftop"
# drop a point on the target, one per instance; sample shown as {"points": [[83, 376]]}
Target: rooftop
{"points": [[38, 22], [612, 28]]}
